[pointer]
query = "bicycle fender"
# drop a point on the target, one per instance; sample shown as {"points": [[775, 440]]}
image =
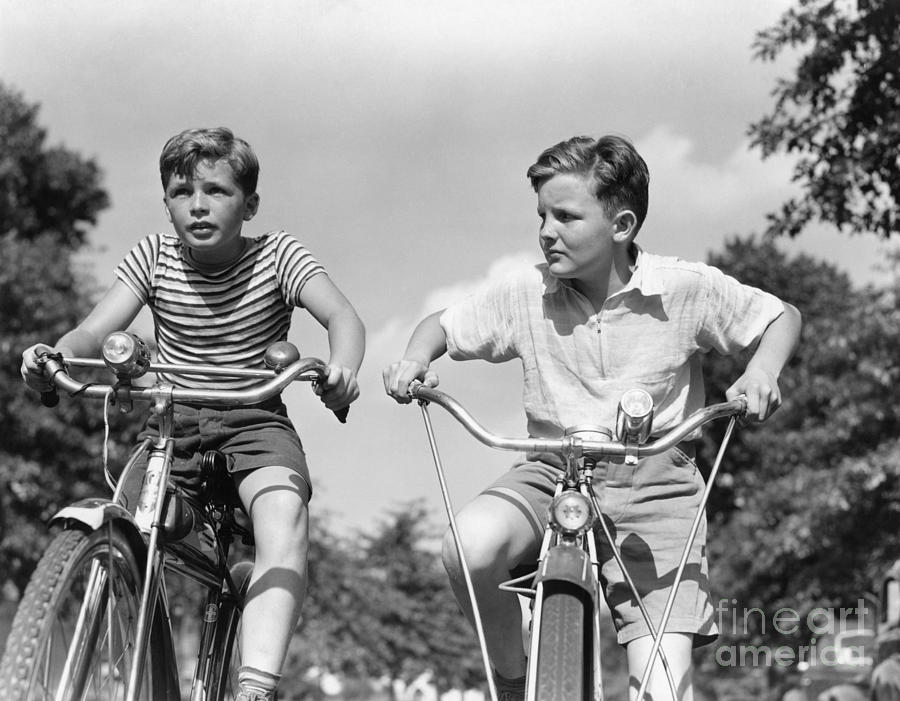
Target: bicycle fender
{"points": [[567, 563], [93, 513]]}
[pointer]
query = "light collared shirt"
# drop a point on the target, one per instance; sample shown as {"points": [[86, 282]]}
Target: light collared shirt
{"points": [[577, 362]]}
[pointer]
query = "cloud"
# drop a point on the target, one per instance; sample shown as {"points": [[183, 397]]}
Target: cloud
{"points": [[718, 190], [386, 343]]}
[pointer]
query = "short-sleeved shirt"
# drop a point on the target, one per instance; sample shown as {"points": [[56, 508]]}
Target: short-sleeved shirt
{"points": [[577, 362], [228, 316]]}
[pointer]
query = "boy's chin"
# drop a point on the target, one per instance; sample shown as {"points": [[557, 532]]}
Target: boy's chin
{"points": [[560, 272]]}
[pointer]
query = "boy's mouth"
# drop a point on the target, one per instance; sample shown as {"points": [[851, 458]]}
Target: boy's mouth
{"points": [[200, 227]]}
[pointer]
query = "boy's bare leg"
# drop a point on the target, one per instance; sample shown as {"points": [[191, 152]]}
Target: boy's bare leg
{"points": [[495, 536], [677, 647], [275, 498]]}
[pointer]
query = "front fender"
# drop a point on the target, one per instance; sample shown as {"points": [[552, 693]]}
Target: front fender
{"points": [[93, 513], [567, 563]]}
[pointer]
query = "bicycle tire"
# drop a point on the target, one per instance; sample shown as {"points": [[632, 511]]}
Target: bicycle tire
{"points": [[225, 661], [564, 646], [44, 629]]}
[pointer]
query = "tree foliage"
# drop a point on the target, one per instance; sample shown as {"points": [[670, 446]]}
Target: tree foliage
{"points": [[840, 114], [44, 190], [381, 607], [806, 508], [48, 199]]}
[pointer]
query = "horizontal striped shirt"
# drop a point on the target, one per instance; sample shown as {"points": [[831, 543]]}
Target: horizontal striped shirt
{"points": [[578, 361], [226, 317]]}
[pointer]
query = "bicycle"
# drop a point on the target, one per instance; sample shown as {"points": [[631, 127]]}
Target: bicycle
{"points": [[564, 590], [93, 623]]}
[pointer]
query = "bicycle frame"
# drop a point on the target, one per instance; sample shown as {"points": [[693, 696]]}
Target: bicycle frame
{"points": [[145, 530], [156, 546], [569, 557]]}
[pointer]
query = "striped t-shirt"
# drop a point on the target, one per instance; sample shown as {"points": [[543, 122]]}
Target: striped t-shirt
{"points": [[225, 317]]}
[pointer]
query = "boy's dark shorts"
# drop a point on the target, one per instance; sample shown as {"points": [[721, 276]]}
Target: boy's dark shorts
{"points": [[261, 435], [649, 509]]}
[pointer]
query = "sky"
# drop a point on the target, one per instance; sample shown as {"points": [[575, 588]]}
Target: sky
{"points": [[393, 138]]}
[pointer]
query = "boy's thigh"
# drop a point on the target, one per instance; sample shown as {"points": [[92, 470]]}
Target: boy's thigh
{"points": [[274, 495], [515, 506], [650, 509]]}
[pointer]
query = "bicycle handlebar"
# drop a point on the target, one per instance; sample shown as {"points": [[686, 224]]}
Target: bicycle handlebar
{"points": [[562, 446], [305, 369]]}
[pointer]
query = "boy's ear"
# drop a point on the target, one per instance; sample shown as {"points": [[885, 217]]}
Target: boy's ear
{"points": [[168, 213], [251, 206], [625, 226]]}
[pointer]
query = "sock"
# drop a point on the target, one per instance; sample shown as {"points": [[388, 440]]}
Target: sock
{"points": [[516, 685], [254, 679]]}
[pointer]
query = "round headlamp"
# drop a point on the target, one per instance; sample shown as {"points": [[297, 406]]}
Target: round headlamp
{"points": [[125, 354], [635, 416], [570, 513]]}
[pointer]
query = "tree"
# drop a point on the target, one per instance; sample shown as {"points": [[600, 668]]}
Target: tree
{"points": [[422, 627], [381, 607], [43, 190], [807, 504], [840, 114], [48, 199]]}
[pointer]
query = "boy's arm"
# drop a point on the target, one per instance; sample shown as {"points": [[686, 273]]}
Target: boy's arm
{"points": [[760, 379], [428, 342], [346, 339], [114, 312]]}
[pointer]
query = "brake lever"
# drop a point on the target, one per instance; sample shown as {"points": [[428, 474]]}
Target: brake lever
{"points": [[341, 414]]}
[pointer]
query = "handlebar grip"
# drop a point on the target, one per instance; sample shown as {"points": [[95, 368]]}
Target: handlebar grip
{"points": [[50, 398], [342, 414]]}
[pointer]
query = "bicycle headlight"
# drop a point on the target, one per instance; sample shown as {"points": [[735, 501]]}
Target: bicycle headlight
{"points": [[635, 416], [570, 513], [126, 354]]}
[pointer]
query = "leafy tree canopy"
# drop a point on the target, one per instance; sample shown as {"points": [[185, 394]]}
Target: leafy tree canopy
{"points": [[840, 114], [380, 606], [43, 190], [48, 198], [806, 508]]}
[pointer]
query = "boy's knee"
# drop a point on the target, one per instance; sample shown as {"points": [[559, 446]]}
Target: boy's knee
{"points": [[449, 556], [479, 552]]}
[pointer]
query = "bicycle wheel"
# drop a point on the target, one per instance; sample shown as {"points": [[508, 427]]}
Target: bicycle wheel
{"points": [[73, 634], [225, 659], [564, 646]]}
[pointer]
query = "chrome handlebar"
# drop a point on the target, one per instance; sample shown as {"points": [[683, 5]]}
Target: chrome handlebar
{"points": [[565, 446], [305, 369]]}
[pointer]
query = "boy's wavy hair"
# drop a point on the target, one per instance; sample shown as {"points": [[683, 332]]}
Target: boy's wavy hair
{"points": [[185, 151], [620, 176]]}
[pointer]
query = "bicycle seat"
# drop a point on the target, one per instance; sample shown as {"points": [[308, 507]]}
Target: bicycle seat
{"points": [[217, 486]]}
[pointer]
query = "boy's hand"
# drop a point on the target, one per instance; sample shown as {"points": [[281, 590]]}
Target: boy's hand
{"points": [[339, 388], [397, 377], [761, 389], [31, 371]]}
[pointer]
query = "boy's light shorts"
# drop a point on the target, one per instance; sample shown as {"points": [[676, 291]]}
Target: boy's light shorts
{"points": [[649, 509], [250, 437]]}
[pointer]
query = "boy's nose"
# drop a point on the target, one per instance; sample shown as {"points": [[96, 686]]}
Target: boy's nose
{"points": [[198, 203], [546, 233]]}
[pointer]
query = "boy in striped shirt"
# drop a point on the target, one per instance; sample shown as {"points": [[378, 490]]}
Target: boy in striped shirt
{"points": [[218, 297]]}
